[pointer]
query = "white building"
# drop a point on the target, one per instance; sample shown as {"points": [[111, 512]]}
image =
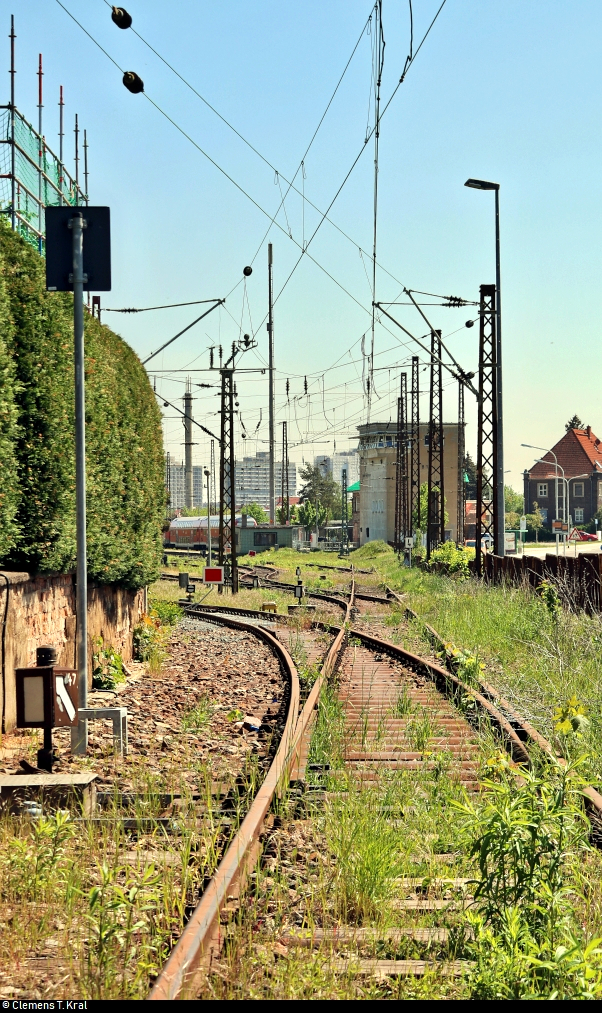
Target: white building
{"points": [[176, 485], [252, 480], [333, 466]]}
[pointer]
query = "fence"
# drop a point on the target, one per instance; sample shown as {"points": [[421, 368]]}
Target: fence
{"points": [[578, 578]]}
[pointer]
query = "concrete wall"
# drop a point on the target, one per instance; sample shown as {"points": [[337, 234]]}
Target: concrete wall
{"points": [[41, 610]]}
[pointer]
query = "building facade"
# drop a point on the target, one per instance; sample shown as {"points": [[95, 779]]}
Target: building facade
{"points": [[573, 492], [378, 466], [333, 466], [176, 485], [252, 480]]}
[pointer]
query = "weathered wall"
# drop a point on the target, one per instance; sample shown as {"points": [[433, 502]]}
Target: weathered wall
{"points": [[41, 610]]}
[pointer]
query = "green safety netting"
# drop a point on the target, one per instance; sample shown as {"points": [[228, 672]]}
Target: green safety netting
{"points": [[40, 179]]}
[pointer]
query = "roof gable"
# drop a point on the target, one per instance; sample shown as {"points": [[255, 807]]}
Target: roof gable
{"points": [[579, 452]]}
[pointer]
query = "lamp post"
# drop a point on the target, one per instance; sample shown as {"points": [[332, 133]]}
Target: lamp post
{"points": [[482, 184], [531, 446]]}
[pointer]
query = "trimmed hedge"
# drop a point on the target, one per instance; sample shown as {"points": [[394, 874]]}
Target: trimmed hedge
{"points": [[124, 447]]}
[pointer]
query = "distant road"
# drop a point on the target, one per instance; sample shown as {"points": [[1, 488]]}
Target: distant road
{"points": [[533, 549]]}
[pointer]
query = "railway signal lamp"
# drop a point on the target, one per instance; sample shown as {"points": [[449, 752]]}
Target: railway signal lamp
{"points": [[47, 697]]}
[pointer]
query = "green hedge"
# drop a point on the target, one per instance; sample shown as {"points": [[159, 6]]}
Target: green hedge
{"points": [[125, 479]]}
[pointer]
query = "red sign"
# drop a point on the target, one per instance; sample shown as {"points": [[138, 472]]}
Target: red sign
{"points": [[251, 552], [213, 575]]}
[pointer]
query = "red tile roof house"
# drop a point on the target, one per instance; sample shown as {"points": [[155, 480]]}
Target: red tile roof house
{"points": [[579, 454]]}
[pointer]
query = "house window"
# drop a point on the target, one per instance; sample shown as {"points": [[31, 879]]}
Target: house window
{"points": [[542, 490], [578, 515], [264, 538], [578, 490]]}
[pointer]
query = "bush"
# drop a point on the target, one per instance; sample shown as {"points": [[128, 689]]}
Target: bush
{"points": [[451, 558], [372, 549], [124, 452]]}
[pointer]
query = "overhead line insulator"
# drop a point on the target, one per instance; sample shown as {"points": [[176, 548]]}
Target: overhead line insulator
{"points": [[121, 18], [133, 82]]}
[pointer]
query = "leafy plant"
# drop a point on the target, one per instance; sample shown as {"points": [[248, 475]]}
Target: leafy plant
{"points": [[107, 672], [195, 719], [550, 597]]}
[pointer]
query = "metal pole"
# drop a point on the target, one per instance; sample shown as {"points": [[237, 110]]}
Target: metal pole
{"points": [[461, 453], [86, 166], [79, 734], [40, 156], [272, 482], [76, 132], [61, 136], [208, 476], [501, 505], [188, 445], [13, 195]]}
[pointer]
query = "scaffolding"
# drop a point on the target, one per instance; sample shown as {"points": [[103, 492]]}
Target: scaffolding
{"points": [[32, 177]]}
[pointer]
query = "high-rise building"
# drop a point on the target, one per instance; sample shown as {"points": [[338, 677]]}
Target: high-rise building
{"points": [[333, 466], [176, 485], [252, 480]]}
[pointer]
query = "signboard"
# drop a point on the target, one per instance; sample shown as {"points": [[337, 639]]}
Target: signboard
{"points": [[47, 697], [559, 526], [409, 543], [213, 575], [251, 552], [523, 523], [509, 542], [96, 246]]}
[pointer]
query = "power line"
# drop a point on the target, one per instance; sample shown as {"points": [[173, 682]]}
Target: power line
{"points": [[147, 309]]}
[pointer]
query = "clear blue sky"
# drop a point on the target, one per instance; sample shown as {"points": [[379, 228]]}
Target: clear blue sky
{"points": [[509, 92]]}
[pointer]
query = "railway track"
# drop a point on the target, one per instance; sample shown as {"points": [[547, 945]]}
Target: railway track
{"points": [[382, 688]]}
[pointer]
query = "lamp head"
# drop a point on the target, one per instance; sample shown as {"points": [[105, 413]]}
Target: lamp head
{"points": [[481, 184]]}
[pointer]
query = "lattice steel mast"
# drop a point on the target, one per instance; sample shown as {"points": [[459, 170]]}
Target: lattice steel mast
{"points": [[487, 520], [461, 454], [436, 491], [415, 446]]}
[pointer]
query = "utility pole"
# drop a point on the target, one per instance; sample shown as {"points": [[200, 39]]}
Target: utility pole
{"points": [[415, 446], [272, 480], [79, 733], [168, 478], [285, 497], [208, 477], [188, 444], [461, 454], [76, 132], [436, 495], [487, 518]]}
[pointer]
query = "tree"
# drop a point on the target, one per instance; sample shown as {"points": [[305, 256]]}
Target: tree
{"points": [[470, 471], [281, 514], [320, 489], [574, 423], [535, 520], [420, 523], [255, 511], [514, 502]]}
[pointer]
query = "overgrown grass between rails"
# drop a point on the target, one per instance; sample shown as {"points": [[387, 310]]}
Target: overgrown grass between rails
{"points": [[535, 655]]}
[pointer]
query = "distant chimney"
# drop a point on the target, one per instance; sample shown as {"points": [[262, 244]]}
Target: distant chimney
{"points": [[589, 432]]}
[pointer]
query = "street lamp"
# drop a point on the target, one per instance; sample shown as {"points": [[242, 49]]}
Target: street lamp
{"points": [[557, 466], [483, 184]]}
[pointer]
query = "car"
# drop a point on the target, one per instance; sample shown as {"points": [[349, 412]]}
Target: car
{"points": [[486, 542]]}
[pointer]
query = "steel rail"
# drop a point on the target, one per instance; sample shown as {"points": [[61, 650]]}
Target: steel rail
{"points": [[201, 935], [524, 729], [310, 708]]}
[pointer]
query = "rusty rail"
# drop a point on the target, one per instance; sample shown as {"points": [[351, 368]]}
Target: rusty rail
{"points": [[201, 935]]}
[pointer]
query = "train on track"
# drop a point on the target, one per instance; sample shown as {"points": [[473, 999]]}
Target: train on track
{"points": [[192, 532]]}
